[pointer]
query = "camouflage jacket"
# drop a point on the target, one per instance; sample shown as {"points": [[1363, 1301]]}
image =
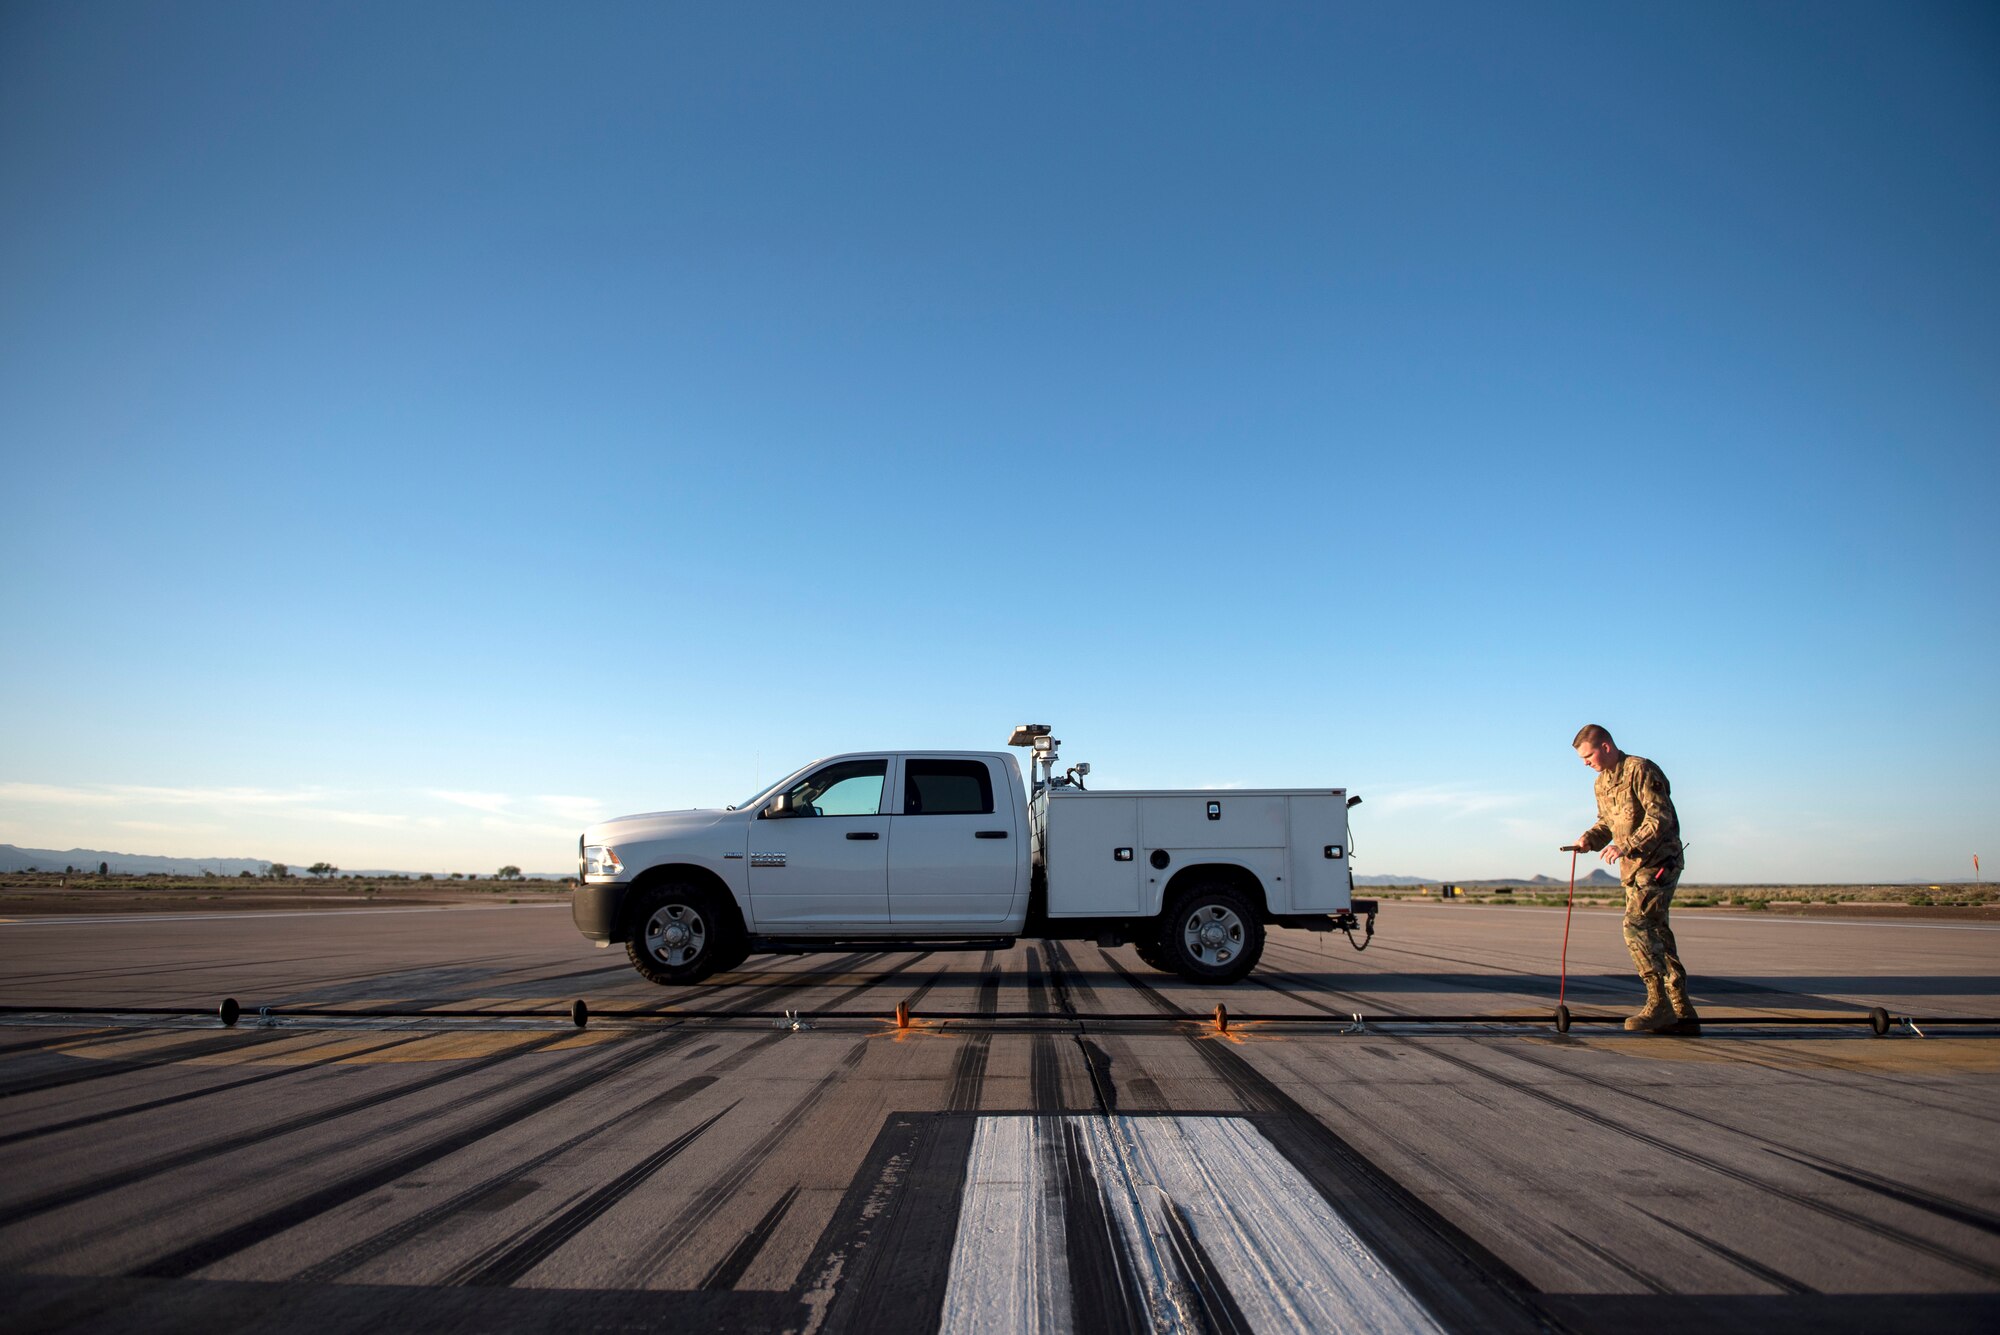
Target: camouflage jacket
{"points": [[1635, 810]]}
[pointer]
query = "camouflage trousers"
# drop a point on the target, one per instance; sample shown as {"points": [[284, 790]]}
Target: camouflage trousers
{"points": [[1647, 935]]}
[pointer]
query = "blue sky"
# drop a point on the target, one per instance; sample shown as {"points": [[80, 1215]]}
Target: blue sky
{"points": [[427, 428]]}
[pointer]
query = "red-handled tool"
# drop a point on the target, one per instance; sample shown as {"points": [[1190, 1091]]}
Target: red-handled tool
{"points": [[1562, 988]]}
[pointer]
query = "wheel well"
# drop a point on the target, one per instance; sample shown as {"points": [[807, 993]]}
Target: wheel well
{"points": [[628, 912], [1240, 879]]}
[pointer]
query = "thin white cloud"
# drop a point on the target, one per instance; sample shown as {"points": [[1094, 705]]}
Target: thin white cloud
{"points": [[566, 833], [214, 797], [166, 827], [496, 802], [375, 820], [49, 794], [133, 794], [580, 809]]}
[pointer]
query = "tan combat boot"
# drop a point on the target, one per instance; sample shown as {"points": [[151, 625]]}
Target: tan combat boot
{"points": [[1686, 1021], [1658, 1016]]}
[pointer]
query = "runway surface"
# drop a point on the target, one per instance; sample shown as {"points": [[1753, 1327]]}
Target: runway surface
{"points": [[713, 1164]]}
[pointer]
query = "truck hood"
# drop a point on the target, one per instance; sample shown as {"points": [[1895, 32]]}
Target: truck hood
{"points": [[651, 825]]}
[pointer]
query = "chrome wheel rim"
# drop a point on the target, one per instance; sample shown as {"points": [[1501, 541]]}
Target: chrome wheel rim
{"points": [[1212, 935], [675, 934]]}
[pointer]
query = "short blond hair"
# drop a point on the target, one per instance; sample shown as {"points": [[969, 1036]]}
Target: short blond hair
{"points": [[1591, 735]]}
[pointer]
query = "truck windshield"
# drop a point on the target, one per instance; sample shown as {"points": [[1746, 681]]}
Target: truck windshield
{"points": [[764, 795]]}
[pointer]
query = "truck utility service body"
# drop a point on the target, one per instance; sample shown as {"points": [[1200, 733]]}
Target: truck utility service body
{"points": [[940, 848]]}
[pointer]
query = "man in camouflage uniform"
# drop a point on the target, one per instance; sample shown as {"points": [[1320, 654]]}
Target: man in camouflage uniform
{"points": [[1636, 827]]}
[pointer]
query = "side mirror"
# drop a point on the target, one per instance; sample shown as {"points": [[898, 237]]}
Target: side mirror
{"points": [[779, 806]]}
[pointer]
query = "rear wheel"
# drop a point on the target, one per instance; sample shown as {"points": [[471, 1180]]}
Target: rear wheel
{"points": [[1212, 935], [679, 935]]}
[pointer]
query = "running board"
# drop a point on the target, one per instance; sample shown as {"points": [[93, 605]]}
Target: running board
{"points": [[811, 945]]}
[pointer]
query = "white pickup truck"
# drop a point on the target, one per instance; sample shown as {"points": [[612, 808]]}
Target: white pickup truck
{"points": [[944, 849]]}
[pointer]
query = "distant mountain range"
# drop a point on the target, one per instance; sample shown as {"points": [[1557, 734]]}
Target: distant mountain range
{"points": [[1597, 877], [142, 864], [125, 864]]}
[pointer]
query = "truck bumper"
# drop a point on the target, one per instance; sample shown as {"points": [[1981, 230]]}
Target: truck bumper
{"points": [[594, 909], [1342, 921]]}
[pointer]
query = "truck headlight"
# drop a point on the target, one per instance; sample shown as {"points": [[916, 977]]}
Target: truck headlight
{"points": [[601, 860]]}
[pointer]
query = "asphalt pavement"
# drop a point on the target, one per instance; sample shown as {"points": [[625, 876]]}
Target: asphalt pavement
{"points": [[406, 1128]]}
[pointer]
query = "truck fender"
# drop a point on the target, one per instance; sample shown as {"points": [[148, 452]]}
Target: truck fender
{"points": [[692, 872], [1214, 870]]}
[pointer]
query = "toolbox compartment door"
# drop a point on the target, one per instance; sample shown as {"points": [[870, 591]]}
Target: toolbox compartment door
{"points": [[1318, 883], [1086, 876]]}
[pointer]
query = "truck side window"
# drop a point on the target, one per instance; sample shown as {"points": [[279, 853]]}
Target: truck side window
{"points": [[851, 788], [946, 788]]}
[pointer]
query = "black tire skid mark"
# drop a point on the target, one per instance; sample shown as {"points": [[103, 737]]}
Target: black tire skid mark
{"points": [[1104, 1286], [1396, 1210], [793, 980], [1887, 1232], [938, 975], [523, 1255], [437, 1215], [234, 1143], [1612, 1261], [729, 1270], [1806, 1069], [697, 1213], [1408, 1048], [171, 1100], [1310, 992], [1942, 1206], [883, 1261], [353, 1257], [1832, 1071], [207, 1251], [1200, 1277], [1626, 986], [1958, 1212], [1103, 1089], [362, 1252], [1045, 1091], [399, 985], [126, 972], [968, 1074], [82, 1070], [58, 1037], [1748, 1265]]}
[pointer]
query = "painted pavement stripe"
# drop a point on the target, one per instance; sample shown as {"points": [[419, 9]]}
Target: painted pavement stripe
{"points": [[1283, 1255], [1009, 1270]]}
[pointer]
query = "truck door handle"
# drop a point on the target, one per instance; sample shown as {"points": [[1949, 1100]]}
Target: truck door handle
{"points": [[863, 834], [990, 834]]}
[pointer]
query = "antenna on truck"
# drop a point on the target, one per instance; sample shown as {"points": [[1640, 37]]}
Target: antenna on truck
{"points": [[1042, 763]]}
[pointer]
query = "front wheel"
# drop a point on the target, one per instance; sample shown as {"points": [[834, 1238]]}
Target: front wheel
{"points": [[679, 935], [1212, 935]]}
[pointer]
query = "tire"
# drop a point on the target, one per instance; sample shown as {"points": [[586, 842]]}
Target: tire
{"points": [[1212, 935], [681, 935]]}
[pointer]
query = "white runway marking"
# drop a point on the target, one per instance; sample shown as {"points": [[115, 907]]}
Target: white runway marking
{"points": [[1009, 1270], [1287, 1259], [263, 913]]}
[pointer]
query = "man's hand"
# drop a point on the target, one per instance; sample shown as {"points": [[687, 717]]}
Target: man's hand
{"points": [[1612, 853]]}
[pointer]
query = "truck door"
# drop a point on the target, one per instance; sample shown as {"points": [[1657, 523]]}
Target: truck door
{"points": [[825, 865], [954, 860]]}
